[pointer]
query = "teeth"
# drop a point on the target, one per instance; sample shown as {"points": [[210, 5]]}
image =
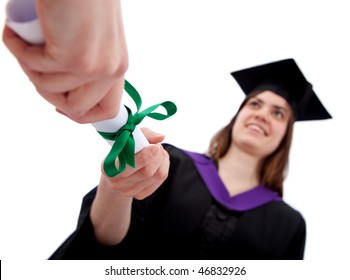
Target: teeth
{"points": [[256, 128]]}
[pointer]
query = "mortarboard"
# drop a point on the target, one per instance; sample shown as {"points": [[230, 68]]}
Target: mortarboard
{"points": [[286, 79]]}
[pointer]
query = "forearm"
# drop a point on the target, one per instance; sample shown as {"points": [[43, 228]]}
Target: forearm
{"points": [[111, 209], [110, 215]]}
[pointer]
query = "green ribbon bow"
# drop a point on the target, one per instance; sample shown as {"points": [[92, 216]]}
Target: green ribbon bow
{"points": [[124, 143]]}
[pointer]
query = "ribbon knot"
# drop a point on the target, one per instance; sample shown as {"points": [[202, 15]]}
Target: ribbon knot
{"points": [[129, 127], [123, 147]]}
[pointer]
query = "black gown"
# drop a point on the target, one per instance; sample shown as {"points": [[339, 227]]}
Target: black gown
{"points": [[181, 220]]}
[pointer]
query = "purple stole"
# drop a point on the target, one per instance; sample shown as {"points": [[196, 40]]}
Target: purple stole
{"points": [[245, 201]]}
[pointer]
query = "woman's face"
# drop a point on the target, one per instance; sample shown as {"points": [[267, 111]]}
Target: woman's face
{"points": [[261, 124]]}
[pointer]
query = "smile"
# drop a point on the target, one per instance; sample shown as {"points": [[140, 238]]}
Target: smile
{"points": [[258, 128]]}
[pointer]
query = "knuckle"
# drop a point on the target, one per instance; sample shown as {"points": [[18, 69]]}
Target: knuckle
{"points": [[115, 62], [127, 192], [161, 174], [39, 88], [115, 69], [74, 109], [80, 120], [147, 191], [140, 196], [44, 90], [84, 65], [166, 156], [110, 113], [143, 157], [147, 171], [75, 113], [143, 194], [122, 67]]}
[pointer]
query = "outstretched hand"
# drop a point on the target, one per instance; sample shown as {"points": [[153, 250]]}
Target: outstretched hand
{"points": [[80, 68], [152, 165]]}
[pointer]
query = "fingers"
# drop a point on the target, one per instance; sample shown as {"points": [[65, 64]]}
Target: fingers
{"points": [[77, 104], [152, 136], [158, 178], [35, 57], [30, 56], [144, 160], [152, 165], [86, 103], [14, 43], [52, 83], [74, 104], [149, 177], [106, 108]]}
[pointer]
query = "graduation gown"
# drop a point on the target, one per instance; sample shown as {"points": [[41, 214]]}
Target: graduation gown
{"points": [[183, 220]]}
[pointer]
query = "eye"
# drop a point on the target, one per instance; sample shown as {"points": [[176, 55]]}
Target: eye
{"points": [[278, 114], [253, 104]]}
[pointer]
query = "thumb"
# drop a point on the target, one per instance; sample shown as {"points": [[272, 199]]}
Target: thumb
{"points": [[152, 136]]}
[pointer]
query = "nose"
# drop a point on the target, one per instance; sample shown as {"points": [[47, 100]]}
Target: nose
{"points": [[262, 115]]}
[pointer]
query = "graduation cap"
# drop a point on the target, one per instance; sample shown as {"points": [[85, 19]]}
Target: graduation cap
{"points": [[285, 79]]}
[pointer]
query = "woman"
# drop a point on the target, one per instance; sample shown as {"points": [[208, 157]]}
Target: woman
{"points": [[224, 205]]}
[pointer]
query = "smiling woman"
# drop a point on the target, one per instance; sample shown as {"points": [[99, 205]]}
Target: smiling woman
{"points": [[267, 115], [260, 134]]}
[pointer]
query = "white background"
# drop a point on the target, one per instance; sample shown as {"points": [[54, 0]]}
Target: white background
{"points": [[183, 51]]}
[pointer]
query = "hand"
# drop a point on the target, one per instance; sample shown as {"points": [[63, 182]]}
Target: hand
{"points": [[152, 165], [80, 69], [111, 209]]}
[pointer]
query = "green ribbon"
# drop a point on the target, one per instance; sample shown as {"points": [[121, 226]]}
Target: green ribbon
{"points": [[123, 148]]}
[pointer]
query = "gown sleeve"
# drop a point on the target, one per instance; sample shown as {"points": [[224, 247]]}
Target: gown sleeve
{"points": [[296, 247], [82, 244]]}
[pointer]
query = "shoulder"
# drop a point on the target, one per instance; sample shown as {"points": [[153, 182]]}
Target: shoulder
{"points": [[186, 161], [183, 172], [174, 151], [183, 155], [177, 156], [279, 220], [284, 213]]}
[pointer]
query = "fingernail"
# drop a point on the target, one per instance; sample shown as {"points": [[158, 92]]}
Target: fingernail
{"points": [[159, 134]]}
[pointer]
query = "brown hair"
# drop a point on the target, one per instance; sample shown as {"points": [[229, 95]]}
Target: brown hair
{"points": [[273, 167]]}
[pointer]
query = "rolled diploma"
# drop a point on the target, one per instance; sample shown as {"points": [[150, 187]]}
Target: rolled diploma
{"points": [[22, 19], [113, 125]]}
